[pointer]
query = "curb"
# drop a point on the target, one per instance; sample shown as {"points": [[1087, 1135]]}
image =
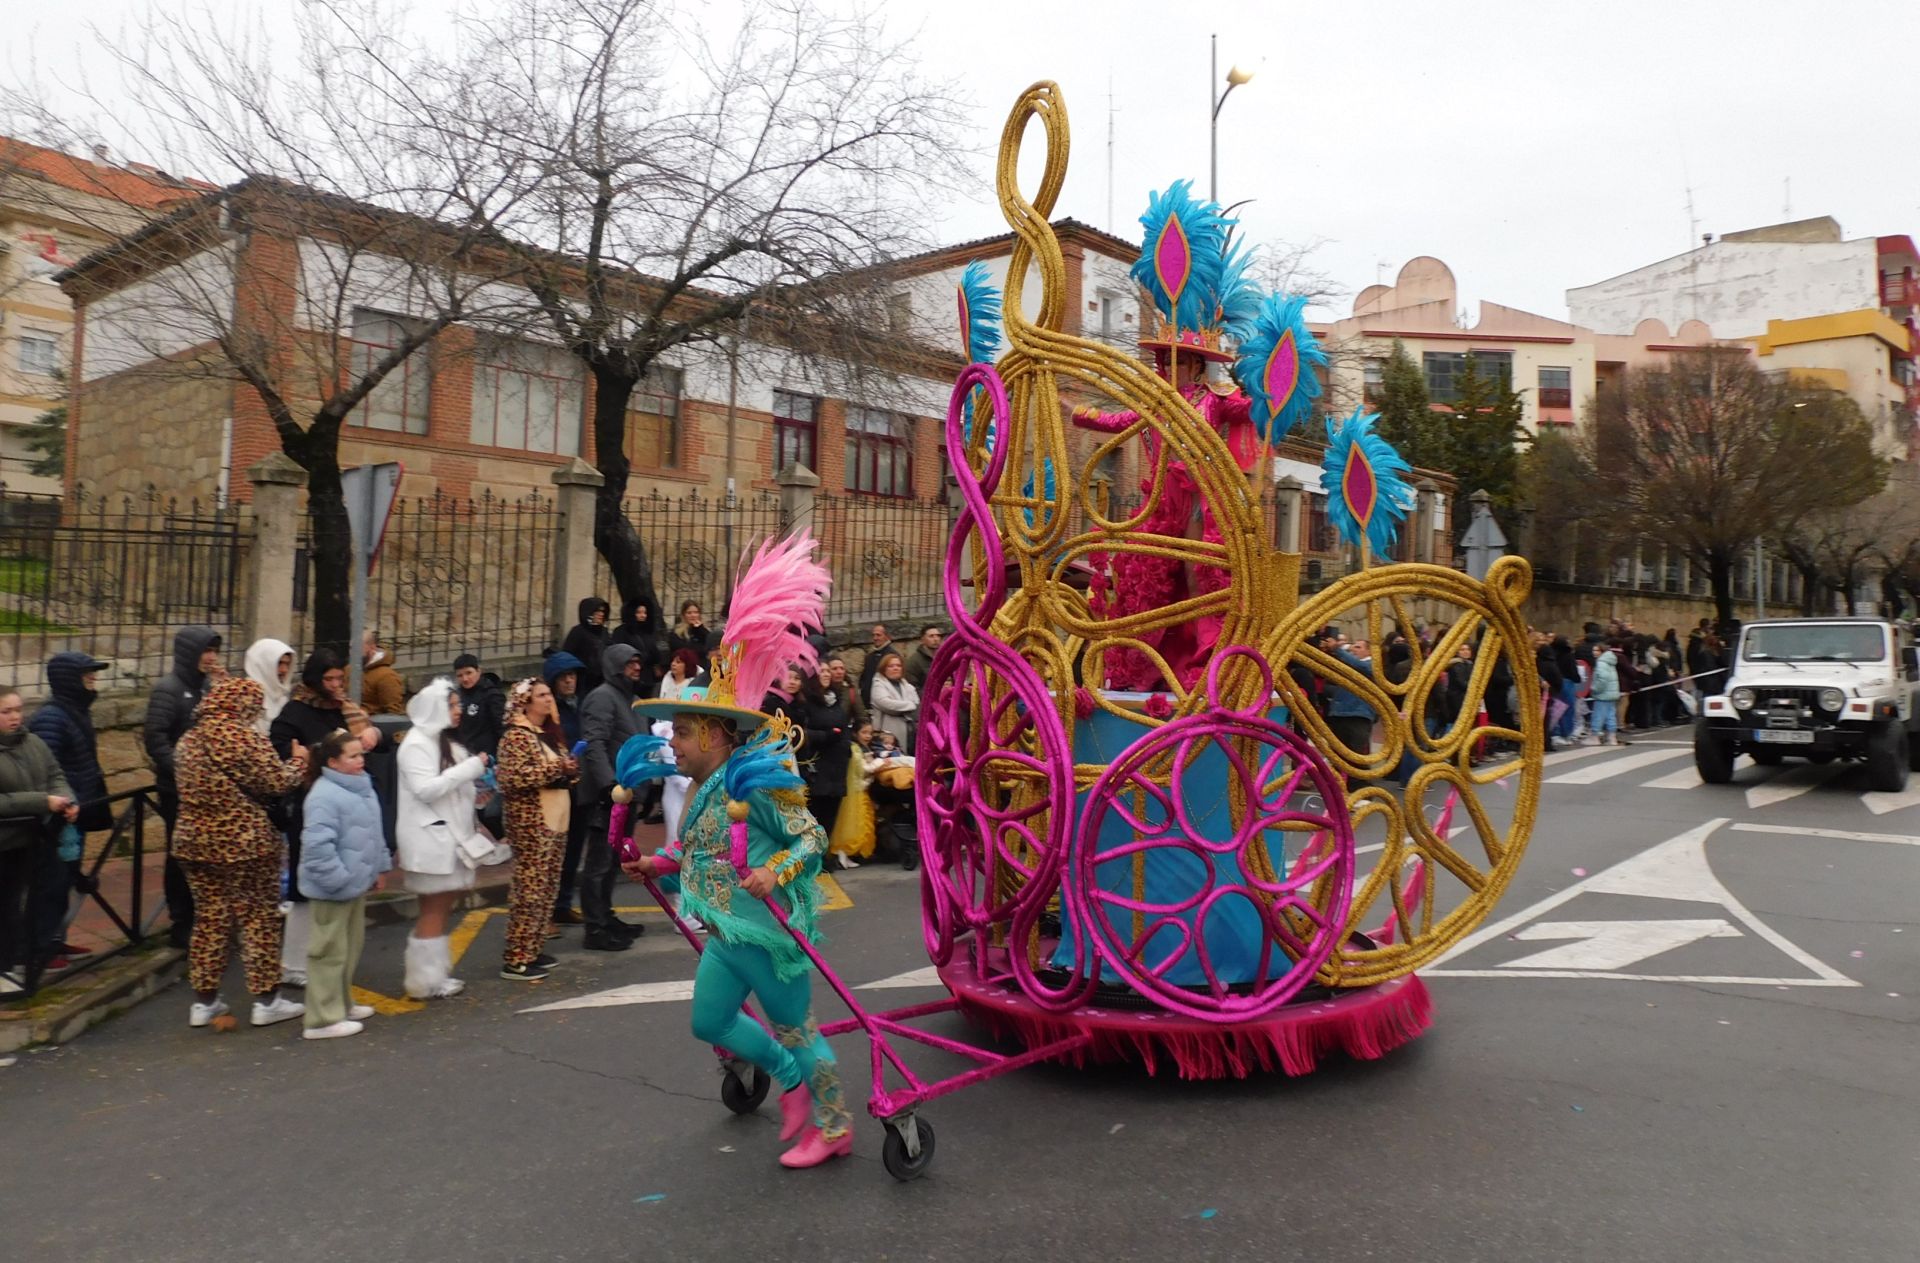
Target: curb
{"points": [[402, 908], [111, 989]]}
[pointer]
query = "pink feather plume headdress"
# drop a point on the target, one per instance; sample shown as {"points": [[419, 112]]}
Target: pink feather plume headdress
{"points": [[779, 597]]}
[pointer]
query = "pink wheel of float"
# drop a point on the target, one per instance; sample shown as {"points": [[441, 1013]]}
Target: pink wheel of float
{"points": [[997, 778], [1278, 787]]}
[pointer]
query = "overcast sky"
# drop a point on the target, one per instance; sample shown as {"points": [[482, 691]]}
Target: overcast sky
{"points": [[1534, 145]]}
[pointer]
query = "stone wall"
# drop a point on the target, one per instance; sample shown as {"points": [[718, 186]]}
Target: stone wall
{"points": [[156, 426], [1563, 607]]}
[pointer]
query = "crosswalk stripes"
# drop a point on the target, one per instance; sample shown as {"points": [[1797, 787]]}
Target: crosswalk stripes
{"points": [[1595, 772]]}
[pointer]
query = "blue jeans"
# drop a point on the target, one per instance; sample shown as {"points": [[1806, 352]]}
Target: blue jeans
{"points": [[1570, 694], [1606, 716]]}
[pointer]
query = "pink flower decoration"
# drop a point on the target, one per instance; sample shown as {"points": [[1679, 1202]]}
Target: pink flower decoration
{"points": [[1083, 703], [1158, 706]]}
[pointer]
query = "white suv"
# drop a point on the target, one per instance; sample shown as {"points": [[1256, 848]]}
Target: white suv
{"points": [[1819, 689]]}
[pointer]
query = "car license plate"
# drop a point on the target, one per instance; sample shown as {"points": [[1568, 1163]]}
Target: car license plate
{"points": [[1782, 737]]}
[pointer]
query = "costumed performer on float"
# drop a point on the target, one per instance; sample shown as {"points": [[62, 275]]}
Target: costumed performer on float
{"points": [[745, 790], [1198, 281]]}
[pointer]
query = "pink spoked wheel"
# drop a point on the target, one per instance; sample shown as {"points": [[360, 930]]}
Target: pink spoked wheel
{"points": [[993, 785], [1194, 901]]}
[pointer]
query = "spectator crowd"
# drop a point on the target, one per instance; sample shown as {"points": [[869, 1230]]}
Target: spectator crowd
{"points": [[286, 801]]}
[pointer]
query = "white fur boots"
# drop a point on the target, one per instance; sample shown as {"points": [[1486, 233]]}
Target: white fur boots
{"points": [[428, 964]]}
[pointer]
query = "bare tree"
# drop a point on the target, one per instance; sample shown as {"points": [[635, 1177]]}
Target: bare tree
{"points": [[673, 191], [1707, 453], [337, 251], [1838, 550]]}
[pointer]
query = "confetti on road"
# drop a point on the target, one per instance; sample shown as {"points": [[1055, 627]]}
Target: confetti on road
{"points": [[726, 1148], [1856, 953], [1115, 1129], [650, 1197], [1208, 1213], [1579, 872], [1579, 1109]]}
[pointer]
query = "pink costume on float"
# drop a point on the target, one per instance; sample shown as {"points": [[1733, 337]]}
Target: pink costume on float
{"points": [[1142, 583]]}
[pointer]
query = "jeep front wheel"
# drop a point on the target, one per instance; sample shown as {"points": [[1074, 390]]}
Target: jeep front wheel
{"points": [[1887, 759], [1712, 754]]}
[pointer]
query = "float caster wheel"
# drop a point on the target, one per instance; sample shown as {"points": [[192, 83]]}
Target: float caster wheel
{"points": [[738, 1096], [908, 1150]]}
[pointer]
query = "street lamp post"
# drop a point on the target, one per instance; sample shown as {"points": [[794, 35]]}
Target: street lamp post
{"points": [[1235, 77]]}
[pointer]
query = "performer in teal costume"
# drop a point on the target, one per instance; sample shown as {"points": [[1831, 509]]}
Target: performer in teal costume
{"points": [[742, 766]]}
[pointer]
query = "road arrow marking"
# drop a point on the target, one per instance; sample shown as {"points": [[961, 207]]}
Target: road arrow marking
{"points": [[1797, 831], [1611, 945], [1616, 767], [1674, 871]]}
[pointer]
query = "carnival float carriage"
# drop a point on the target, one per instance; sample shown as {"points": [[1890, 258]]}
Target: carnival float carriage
{"points": [[1141, 839]]}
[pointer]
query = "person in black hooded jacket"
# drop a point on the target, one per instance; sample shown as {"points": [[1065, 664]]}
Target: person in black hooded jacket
{"points": [[196, 654], [65, 723], [587, 641], [638, 629]]}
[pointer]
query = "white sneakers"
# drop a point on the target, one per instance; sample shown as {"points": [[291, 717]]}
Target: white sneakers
{"points": [[339, 1030], [281, 1010], [359, 1012], [203, 1014]]}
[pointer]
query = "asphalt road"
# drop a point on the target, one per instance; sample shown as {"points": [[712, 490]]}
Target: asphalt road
{"points": [[1557, 1109]]}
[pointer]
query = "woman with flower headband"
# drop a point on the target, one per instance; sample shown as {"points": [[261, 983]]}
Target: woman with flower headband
{"points": [[747, 839], [535, 778]]}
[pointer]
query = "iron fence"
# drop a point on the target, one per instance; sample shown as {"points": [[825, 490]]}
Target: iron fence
{"points": [[694, 543], [454, 576], [114, 577], [886, 556]]}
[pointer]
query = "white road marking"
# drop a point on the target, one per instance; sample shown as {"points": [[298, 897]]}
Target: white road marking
{"points": [[1452, 833], [928, 977], [1881, 804], [1575, 752], [637, 993], [1895, 839], [1616, 767], [1790, 783], [1608, 946], [1675, 871], [1685, 778]]}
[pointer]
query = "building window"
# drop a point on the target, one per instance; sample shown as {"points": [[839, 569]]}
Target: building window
{"points": [[879, 452], [1556, 387], [1106, 315], [1373, 381], [39, 353], [399, 402], [527, 397], [1319, 530], [796, 428], [1445, 367], [653, 419]]}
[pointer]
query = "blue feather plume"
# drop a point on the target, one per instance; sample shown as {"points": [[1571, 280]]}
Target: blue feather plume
{"points": [[760, 764], [1236, 297], [1206, 233], [643, 757], [981, 336], [1279, 315], [1347, 441]]}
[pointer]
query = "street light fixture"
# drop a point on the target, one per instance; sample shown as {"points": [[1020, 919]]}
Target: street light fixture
{"points": [[1235, 77]]}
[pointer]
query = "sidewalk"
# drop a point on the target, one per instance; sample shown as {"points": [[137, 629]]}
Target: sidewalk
{"points": [[70, 1002]]}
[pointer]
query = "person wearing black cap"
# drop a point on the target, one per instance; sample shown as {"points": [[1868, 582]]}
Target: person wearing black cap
{"points": [[65, 723], [483, 706], [170, 712]]}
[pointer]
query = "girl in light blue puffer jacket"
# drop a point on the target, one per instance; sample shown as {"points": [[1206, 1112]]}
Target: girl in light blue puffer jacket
{"points": [[343, 852]]}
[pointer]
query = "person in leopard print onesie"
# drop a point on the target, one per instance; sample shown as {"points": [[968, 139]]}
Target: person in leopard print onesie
{"points": [[231, 853], [535, 778]]}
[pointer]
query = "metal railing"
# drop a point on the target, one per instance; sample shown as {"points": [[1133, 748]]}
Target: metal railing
{"points": [[114, 879], [694, 543], [886, 556], [114, 577], [455, 576]]}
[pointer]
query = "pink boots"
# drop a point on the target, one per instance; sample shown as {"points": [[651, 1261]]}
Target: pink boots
{"points": [[815, 1149], [796, 1111]]}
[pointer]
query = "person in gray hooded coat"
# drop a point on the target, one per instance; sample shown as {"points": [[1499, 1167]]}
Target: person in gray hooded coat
{"points": [[607, 719]]}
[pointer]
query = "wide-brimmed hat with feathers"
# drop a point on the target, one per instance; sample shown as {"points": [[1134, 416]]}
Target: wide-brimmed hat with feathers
{"points": [[779, 598]]}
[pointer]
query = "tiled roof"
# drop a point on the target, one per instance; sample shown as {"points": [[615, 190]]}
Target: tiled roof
{"points": [[136, 184]]}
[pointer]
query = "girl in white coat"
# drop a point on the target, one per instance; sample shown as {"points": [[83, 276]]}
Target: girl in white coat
{"points": [[434, 828]]}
